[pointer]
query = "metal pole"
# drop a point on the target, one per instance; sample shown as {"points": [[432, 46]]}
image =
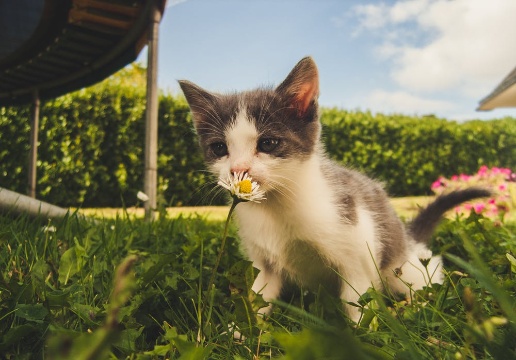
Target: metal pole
{"points": [[11, 201], [151, 118], [33, 155]]}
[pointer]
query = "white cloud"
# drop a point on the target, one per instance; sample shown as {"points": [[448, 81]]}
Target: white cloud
{"points": [[406, 10], [465, 46], [371, 16], [404, 102]]}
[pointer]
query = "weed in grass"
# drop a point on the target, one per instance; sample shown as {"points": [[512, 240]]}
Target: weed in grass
{"points": [[58, 297]]}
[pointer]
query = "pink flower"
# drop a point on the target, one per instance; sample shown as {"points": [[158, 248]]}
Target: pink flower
{"points": [[483, 170], [492, 211], [436, 184], [492, 178], [479, 207]]}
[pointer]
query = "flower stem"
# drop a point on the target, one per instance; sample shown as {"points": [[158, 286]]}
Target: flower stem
{"points": [[214, 271], [222, 244]]}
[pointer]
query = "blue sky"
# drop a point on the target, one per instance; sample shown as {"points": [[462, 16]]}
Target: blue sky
{"points": [[414, 57]]}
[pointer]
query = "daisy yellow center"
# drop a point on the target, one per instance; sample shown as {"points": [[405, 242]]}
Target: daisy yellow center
{"points": [[245, 186]]}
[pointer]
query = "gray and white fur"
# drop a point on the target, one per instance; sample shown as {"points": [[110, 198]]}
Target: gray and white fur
{"points": [[322, 224]]}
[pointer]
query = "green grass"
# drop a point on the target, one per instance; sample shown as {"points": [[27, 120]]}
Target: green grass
{"points": [[124, 288]]}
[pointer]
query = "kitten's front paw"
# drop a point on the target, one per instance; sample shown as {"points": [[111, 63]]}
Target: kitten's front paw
{"points": [[264, 312], [354, 313], [237, 335], [233, 329], [262, 315]]}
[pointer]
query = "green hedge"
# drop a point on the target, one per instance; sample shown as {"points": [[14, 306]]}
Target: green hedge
{"points": [[91, 147], [408, 153]]}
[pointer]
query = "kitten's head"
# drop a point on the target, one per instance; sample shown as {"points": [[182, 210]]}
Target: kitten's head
{"points": [[265, 132]]}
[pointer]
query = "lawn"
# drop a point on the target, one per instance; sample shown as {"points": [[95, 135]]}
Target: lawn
{"points": [[405, 207], [123, 288]]}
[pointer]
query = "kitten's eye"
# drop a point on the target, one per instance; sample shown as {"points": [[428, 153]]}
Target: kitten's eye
{"points": [[219, 149], [268, 145]]}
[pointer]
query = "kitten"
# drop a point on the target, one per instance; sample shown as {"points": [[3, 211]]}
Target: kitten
{"points": [[321, 224]]}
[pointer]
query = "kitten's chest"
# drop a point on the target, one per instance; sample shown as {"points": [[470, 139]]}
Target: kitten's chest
{"points": [[295, 245], [307, 265], [280, 233]]}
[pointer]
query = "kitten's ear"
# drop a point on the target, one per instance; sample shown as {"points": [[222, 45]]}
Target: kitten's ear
{"points": [[302, 85], [199, 100]]}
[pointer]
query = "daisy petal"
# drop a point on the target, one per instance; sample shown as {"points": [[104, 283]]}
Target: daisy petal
{"points": [[242, 187]]}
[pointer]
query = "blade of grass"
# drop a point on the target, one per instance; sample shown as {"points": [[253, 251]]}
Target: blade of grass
{"points": [[485, 277]]}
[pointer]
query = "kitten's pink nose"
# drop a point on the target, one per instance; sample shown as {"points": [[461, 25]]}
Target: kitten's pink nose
{"points": [[239, 169]]}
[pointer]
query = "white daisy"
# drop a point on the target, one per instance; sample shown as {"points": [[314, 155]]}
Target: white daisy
{"points": [[50, 228], [242, 187], [424, 256], [142, 196]]}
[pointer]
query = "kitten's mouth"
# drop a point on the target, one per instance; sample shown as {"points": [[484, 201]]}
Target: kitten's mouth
{"points": [[242, 187]]}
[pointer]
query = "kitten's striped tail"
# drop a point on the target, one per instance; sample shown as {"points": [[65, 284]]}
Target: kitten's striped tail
{"points": [[424, 224]]}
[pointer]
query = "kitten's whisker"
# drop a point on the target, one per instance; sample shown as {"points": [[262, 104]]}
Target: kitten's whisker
{"points": [[216, 126], [266, 107], [274, 113], [211, 194], [284, 190], [208, 102], [205, 190], [211, 113]]}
